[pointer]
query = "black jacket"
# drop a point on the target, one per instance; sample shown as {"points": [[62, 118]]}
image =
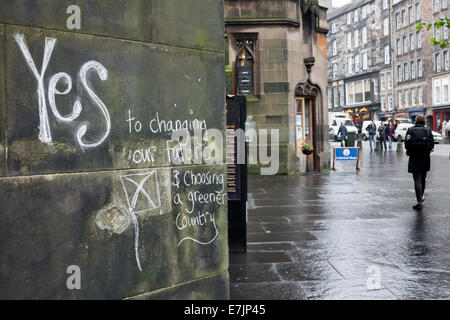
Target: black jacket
{"points": [[372, 129], [343, 131], [419, 143], [382, 132]]}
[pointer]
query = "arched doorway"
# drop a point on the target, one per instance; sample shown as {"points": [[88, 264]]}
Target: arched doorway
{"points": [[307, 98]]}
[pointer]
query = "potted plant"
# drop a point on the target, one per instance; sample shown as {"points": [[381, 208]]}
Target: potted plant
{"points": [[307, 148]]}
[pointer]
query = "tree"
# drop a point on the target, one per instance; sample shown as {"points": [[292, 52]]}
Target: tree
{"points": [[443, 43]]}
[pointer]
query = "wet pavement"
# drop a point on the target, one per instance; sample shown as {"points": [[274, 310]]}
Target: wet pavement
{"points": [[347, 235]]}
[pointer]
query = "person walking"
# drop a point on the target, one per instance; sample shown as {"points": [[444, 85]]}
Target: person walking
{"points": [[390, 133], [419, 144], [372, 130], [444, 124], [382, 135], [343, 132]]}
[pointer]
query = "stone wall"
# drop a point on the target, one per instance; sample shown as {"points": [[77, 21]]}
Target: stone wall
{"points": [[87, 177]]}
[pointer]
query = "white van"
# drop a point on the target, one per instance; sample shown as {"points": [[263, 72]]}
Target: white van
{"points": [[364, 133], [334, 121]]}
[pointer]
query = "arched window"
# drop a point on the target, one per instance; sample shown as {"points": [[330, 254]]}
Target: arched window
{"points": [[244, 66]]}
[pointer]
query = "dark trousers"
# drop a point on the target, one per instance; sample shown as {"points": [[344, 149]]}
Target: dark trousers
{"points": [[419, 184], [383, 143]]}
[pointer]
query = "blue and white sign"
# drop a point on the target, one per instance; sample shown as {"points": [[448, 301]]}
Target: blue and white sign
{"points": [[346, 154]]}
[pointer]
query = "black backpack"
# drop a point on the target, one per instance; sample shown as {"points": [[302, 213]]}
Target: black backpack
{"points": [[419, 140]]}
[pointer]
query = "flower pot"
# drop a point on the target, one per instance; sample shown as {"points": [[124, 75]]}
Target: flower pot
{"points": [[307, 152]]}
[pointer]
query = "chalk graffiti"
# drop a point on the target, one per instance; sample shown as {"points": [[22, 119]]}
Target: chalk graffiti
{"points": [[201, 219], [193, 218], [140, 186], [45, 134]]}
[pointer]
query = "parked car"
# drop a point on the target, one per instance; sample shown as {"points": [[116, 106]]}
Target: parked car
{"points": [[437, 137], [400, 132], [333, 133], [364, 133]]}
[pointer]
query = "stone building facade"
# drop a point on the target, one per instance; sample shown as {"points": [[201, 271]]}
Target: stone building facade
{"points": [[285, 51], [358, 56], [422, 69], [409, 75], [92, 205]]}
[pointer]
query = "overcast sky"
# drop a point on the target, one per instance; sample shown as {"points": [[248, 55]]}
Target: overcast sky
{"points": [[338, 3]]}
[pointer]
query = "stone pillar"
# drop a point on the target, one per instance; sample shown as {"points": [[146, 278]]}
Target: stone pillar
{"points": [[92, 204]]}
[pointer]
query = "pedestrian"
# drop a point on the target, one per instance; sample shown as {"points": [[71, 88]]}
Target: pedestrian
{"points": [[382, 135], [419, 144], [343, 132], [372, 130], [390, 133]]}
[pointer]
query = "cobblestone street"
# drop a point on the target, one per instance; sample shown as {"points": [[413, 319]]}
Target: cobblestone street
{"points": [[329, 235]]}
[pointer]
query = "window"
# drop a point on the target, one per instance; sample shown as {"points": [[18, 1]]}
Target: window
{"points": [[375, 87], [386, 26], [400, 73], [365, 65], [399, 47], [334, 48], [445, 36], [444, 4], [445, 90], [398, 24], [413, 69], [349, 18], [382, 82], [355, 16], [385, 4], [437, 33], [418, 11], [413, 97], [364, 12], [244, 68], [341, 95], [419, 39], [333, 27], [387, 56], [419, 68], [364, 35], [349, 40], [437, 91], [420, 92], [389, 80], [412, 41], [435, 6], [350, 65], [406, 71], [411, 14], [330, 104], [400, 99], [404, 21], [437, 62], [356, 38], [357, 63], [383, 103], [405, 44], [335, 70], [358, 91], [390, 103], [446, 61], [335, 97], [406, 98]]}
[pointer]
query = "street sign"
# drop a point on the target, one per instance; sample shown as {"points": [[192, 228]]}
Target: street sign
{"points": [[346, 154]]}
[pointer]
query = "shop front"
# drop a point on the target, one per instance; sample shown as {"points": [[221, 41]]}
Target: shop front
{"points": [[413, 113], [440, 114], [385, 116], [361, 114]]}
